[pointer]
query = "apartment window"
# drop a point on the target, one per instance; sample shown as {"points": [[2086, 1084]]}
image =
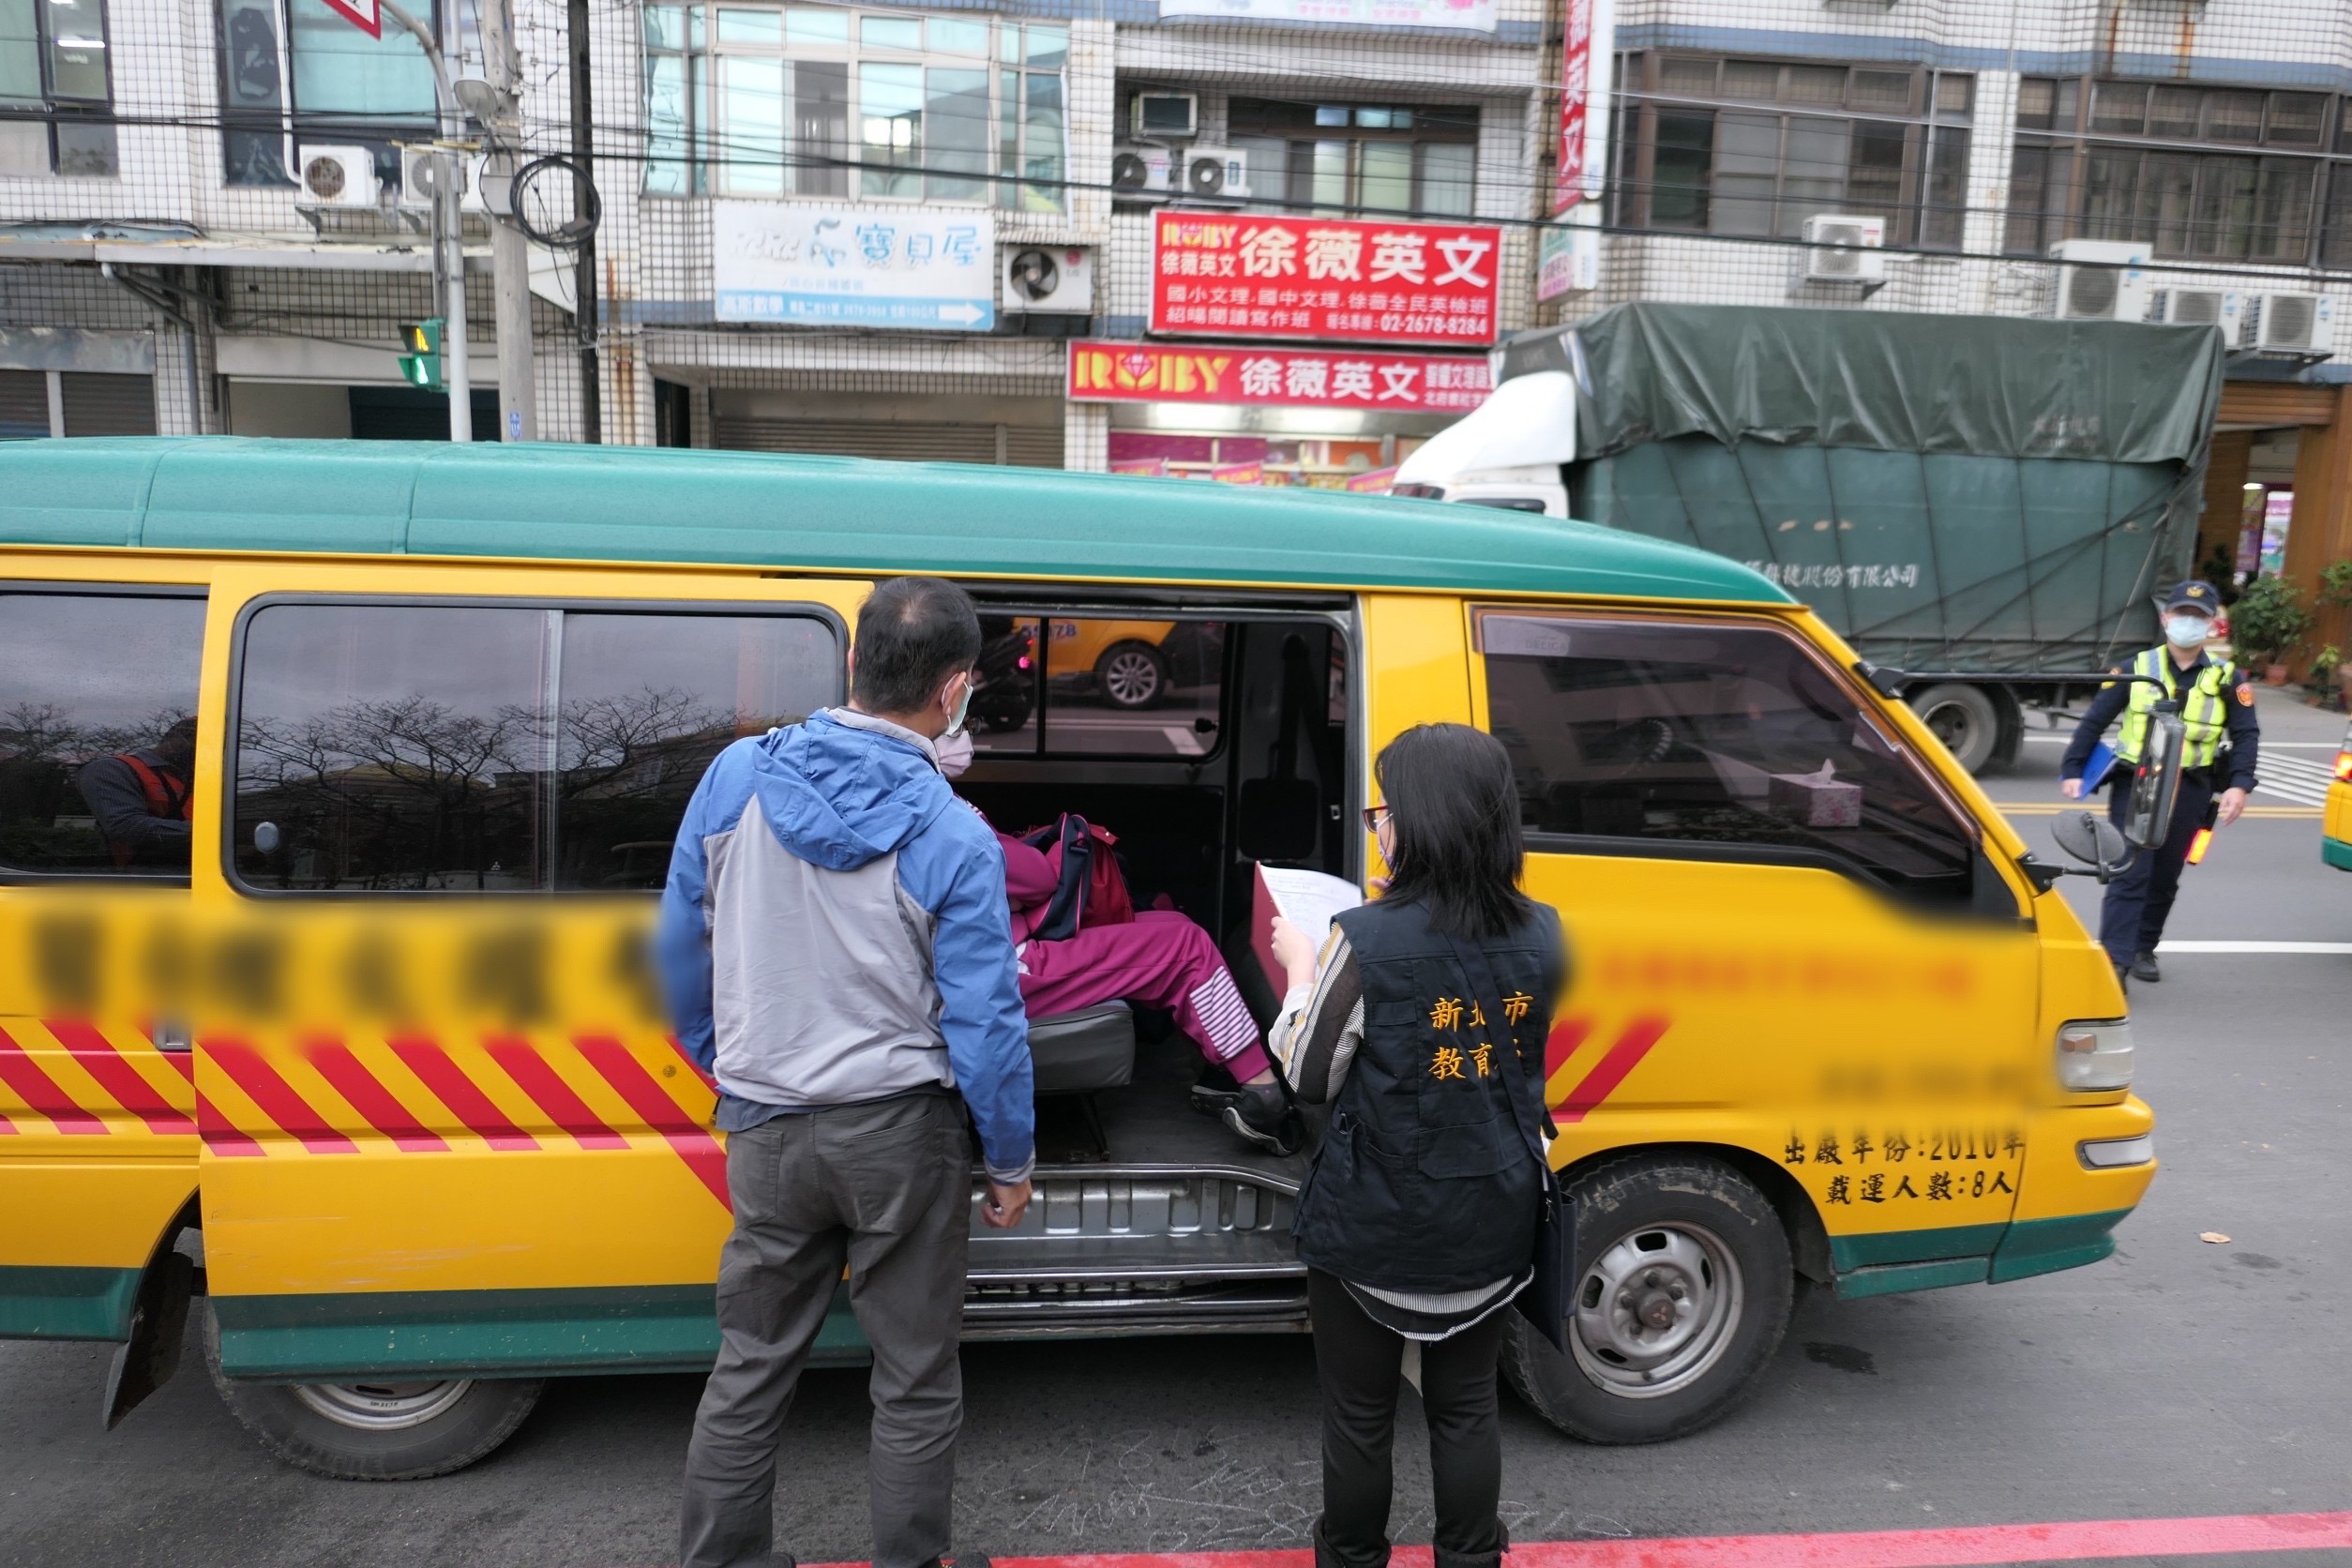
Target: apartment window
{"points": [[294, 71], [55, 98], [2220, 173], [769, 100], [1335, 158], [1733, 146]]}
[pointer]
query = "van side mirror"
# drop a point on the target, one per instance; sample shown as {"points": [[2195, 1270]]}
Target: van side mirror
{"points": [[2092, 839], [2156, 782]]}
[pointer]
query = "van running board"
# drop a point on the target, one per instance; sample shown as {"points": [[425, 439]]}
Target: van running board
{"points": [[1138, 1249]]}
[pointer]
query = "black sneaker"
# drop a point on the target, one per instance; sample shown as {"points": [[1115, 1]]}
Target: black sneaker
{"points": [[2144, 968], [1263, 1117]]}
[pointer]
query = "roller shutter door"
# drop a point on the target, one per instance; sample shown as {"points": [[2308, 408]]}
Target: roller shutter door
{"points": [[1020, 445], [24, 405], [102, 403]]}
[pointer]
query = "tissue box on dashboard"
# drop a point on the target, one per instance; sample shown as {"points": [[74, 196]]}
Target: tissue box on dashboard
{"points": [[1815, 800]]}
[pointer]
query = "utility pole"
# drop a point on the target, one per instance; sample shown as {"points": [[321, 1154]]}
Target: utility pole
{"points": [[510, 252], [448, 238], [586, 315]]}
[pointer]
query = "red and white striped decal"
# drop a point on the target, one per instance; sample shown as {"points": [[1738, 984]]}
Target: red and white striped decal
{"points": [[1578, 1099]]}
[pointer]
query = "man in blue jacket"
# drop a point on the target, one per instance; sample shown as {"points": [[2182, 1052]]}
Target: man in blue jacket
{"points": [[838, 954]]}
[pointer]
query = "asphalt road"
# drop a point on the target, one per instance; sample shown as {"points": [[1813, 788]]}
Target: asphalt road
{"points": [[2179, 1378]]}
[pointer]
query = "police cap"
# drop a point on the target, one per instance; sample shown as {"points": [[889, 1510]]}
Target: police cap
{"points": [[2194, 595]]}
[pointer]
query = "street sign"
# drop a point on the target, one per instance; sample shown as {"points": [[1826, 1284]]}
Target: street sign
{"points": [[362, 14], [421, 364], [923, 270], [1120, 372]]}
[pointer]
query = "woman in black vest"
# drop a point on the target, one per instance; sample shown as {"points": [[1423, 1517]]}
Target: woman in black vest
{"points": [[1418, 1220]]}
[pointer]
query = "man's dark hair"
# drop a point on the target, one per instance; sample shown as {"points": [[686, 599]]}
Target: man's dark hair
{"points": [[1460, 850], [912, 633]]}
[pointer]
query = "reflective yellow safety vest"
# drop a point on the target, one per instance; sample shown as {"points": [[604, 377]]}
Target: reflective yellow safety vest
{"points": [[2204, 707]]}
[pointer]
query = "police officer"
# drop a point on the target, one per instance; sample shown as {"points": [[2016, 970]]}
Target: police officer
{"points": [[2218, 752]]}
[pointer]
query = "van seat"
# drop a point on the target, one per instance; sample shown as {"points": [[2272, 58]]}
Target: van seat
{"points": [[1076, 1054]]}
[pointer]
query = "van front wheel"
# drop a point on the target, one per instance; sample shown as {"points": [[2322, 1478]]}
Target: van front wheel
{"points": [[1683, 1291], [379, 1430]]}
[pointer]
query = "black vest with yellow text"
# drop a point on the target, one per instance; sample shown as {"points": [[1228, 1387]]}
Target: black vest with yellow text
{"points": [[1427, 1179]]}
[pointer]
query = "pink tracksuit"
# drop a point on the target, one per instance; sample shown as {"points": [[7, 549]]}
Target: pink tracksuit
{"points": [[1163, 960]]}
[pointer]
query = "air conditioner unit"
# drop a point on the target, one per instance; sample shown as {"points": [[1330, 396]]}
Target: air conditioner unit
{"points": [[336, 178], [2101, 279], [416, 181], [1842, 248], [1140, 174], [1045, 279], [1164, 116], [1214, 175], [2291, 323]]}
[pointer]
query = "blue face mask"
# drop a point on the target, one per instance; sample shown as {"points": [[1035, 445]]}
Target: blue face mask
{"points": [[2187, 631]]}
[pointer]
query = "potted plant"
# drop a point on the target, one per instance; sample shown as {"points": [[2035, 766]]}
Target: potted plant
{"points": [[2268, 620], [2326, 668], [2335, 593]]}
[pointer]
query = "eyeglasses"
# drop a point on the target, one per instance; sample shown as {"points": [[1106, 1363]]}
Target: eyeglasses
{"points": [[1373, 817]]}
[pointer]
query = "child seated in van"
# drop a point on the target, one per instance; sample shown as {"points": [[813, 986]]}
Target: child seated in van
{"points": [[1161, 959]]}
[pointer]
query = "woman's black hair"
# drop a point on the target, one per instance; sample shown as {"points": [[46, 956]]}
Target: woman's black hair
{"points": [[1453, 811]]}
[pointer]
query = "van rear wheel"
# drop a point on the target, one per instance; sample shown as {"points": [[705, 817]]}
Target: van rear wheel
{"points": [[1683, 1290], [378, 1429]]}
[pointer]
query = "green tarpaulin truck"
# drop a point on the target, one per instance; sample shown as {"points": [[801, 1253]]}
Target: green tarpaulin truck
{"points": [[1970, 493]]}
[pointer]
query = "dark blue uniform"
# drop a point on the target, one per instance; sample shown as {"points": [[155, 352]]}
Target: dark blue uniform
{"points": [[2132, 917]]}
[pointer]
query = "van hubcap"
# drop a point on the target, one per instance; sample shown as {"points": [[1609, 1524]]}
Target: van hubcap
{"points": [[1656, 1311], [382, 1407]]}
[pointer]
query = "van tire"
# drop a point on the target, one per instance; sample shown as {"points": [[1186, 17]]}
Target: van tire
{"points": [[1963, 717], [391, 1430], [1132, 675], [1725, 1252]]}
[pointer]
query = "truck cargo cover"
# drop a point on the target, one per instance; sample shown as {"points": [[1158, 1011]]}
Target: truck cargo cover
{"points": [[1992, 385]]}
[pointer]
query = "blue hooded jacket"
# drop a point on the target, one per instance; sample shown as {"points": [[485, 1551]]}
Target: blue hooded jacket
{"points": [[834, 930]]}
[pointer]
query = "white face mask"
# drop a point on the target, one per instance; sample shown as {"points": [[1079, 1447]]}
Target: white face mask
{"points": [[954, 750], [963, 706], [2187, 631]]}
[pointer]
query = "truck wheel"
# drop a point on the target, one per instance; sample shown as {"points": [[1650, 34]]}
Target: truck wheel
{"points": [[377, 1430], [1684, 1291], [1963, 718], [1133, 675]]}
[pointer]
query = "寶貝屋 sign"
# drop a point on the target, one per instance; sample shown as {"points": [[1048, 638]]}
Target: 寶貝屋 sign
{"points": [[1237, 275], [1286, 378], [923, 269], [1475, 16]]}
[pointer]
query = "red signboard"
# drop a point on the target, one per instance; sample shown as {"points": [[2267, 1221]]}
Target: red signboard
{"points": [[1291, 377], [1575, 80], [1234, 275]]}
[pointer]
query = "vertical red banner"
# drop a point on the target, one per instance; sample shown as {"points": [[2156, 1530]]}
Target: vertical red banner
{"points": [[1575, 80]]}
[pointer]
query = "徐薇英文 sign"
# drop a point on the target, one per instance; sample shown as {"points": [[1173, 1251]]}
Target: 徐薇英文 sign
{"points": [[1291, 377], [1234, 275], [923, 269]]}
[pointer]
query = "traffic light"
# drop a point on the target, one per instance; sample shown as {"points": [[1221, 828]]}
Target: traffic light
{"points": [[421, 364]]}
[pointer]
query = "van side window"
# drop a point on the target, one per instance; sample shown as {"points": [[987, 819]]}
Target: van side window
{"points": [[1712, 733], [98, 697], [1083, 686], [465, 748]]}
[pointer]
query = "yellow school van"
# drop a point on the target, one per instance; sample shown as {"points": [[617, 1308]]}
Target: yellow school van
{"points": [[341, 1029]]}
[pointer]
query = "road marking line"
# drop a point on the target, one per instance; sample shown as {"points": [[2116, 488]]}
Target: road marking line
{"points": [[2319, 947], [2072, 1541], [2260, 813]]}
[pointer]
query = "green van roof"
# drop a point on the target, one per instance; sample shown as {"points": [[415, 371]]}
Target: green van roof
{"points": [[549, 502]]}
